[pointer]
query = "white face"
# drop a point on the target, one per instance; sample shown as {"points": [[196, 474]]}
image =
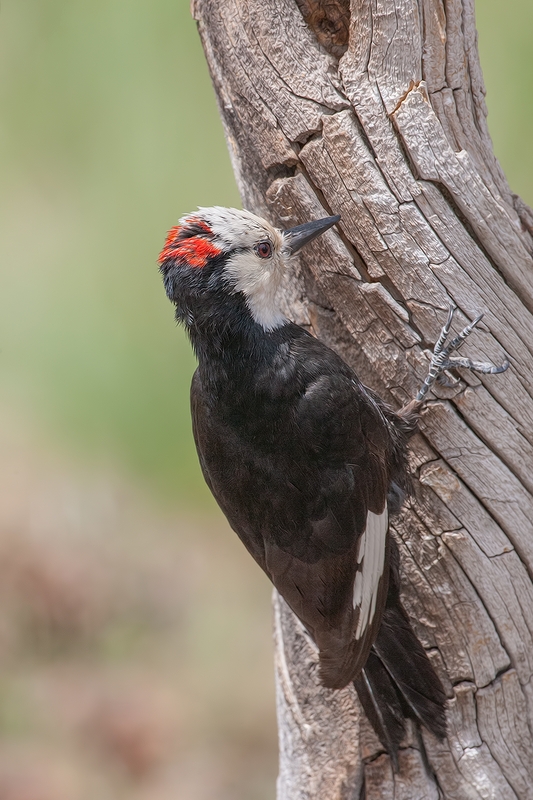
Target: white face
{"points": [[257, 265]]}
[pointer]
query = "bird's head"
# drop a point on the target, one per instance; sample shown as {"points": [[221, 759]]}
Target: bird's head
{"points": [[217, 258]]}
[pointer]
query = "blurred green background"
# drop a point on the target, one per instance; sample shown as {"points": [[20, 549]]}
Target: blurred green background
{"points": [[109, 133], [123, 590]]}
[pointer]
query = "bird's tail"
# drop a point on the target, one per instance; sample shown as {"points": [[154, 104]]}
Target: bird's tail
{"points": [[398, 680]]}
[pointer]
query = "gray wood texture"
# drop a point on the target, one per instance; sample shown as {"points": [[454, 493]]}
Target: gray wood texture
{"points": [[376, 111]]}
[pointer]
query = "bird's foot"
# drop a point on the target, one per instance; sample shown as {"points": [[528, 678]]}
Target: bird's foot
{"points": [[442, 360]]}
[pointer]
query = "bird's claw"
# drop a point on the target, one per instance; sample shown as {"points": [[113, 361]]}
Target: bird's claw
{"points": [[442, 359]]}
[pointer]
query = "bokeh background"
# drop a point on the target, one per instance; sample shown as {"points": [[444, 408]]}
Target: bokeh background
{"points": [[135, 650]]}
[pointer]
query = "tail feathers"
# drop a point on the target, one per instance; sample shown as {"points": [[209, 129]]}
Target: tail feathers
{"points": [[382, 705], [398, 681], [411, 671]]}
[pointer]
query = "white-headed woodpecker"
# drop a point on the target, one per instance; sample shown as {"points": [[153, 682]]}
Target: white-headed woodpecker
{"points": [[306, 463]]}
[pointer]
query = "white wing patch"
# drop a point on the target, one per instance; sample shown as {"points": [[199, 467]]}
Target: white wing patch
{"points": [[371, 560]]}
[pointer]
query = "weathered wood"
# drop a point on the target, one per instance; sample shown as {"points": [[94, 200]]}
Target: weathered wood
{"points": [[376, 111]]}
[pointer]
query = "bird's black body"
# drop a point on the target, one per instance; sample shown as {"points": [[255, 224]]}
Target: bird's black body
{"points": [[296, 451], [306, 464]]}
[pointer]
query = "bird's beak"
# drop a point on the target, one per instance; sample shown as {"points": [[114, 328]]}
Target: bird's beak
{"points": [[302, 234]]}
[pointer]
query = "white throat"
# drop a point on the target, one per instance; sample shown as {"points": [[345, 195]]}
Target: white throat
{"points": [[260, 283]]}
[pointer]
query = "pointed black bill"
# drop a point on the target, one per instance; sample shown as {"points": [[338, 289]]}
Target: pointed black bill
{"points": [[302, 234]]}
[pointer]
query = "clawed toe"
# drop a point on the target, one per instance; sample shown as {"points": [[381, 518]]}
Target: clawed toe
{"points": [[485, 367], [442, 359]]}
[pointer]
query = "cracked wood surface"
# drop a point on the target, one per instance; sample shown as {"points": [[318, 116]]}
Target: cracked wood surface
{"points": [[376, 111]]}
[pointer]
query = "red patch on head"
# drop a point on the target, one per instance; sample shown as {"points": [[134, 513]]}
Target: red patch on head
{"points": [[193, 250]]}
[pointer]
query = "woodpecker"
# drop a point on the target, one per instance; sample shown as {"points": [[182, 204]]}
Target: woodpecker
{"points": [[306, 463]]}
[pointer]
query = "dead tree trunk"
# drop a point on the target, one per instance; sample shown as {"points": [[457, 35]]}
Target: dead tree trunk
{"points": [[377, 112]]}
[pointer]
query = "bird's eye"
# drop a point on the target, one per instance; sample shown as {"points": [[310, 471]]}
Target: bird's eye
{"points": [[263, 249]]}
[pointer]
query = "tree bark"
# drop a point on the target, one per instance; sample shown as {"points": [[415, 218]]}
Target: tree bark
{"points": [[377, 112]]}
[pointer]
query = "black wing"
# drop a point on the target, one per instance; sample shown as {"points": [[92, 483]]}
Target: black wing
{"points": [[305, 488]]}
